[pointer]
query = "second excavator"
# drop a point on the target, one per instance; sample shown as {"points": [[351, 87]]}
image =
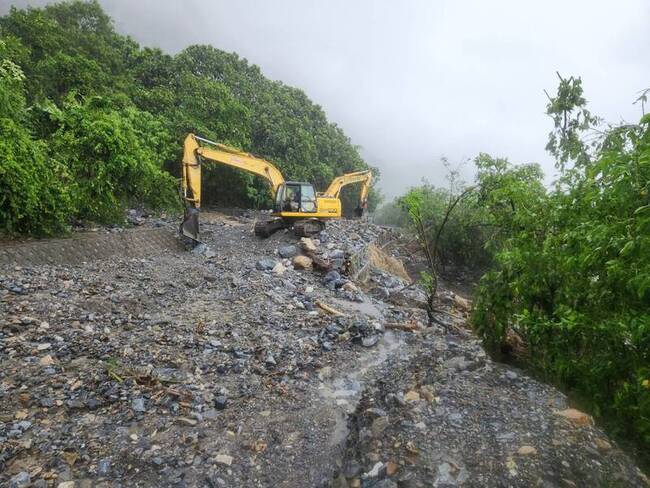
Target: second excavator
{"points": [[296, 203]]}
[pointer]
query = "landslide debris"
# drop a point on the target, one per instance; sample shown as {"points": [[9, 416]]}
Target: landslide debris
{"points": [[231, 366]]}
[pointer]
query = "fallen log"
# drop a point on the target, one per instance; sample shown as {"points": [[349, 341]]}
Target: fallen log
{"points": [[328, 309]]}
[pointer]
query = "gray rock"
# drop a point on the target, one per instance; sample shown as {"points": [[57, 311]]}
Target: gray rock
{"points": [[456, 419], [21, 480], [210, 414], [331, 277], [382, 292], [200, 248], [444, 476], [379, 425], [287, 252], [333, 330], [409, 297], [377, 470], [505, 436], [103, 466], [266, 264], [370, 341], [337, 254], [22, 425], [138, 405], [391, 282], [511, 375], [65, 474], [220, 402], [340, 282], [458, 363]]}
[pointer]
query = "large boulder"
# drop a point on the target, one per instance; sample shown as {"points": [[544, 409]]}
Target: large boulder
{"points": [[266, 264], [307, 244], [409, 297]]}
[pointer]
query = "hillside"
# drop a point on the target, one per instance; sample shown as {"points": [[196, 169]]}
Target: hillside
{"points": [[90, 122]]}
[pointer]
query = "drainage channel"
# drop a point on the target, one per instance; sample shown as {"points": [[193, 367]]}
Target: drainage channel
{"points": [[344, 392]]}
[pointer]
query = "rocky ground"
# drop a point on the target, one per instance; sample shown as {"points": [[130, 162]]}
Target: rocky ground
{"points": [[253, 362]]}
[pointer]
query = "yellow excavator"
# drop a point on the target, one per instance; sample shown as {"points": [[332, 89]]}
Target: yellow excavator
{"points": [[296, 203]]}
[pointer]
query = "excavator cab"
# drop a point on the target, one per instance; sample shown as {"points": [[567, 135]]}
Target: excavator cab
{"points": [[295, 197]]}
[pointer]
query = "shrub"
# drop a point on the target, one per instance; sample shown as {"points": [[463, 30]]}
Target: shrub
{"points": [[115, 158], [33, 195]]}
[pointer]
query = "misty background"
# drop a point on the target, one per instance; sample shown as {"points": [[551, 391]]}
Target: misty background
{"points": [[413, 81]]}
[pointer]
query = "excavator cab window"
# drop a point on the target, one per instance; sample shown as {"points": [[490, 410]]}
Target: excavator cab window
{"points": [[296, 197], [291, 199], [307, 198]]}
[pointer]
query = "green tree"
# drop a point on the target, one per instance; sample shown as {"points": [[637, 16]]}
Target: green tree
{"points": [[430, 213], [571, 276]]}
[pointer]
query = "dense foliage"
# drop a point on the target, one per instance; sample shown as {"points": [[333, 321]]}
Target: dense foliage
{"points": [[92, 122], [462, 237], [568, 288], [572, 280]]}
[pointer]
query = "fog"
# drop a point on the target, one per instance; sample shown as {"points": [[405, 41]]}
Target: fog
{"points": [[412, 81]]}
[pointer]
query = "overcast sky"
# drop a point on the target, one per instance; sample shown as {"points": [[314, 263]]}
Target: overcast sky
{"points": [[412, 81]]}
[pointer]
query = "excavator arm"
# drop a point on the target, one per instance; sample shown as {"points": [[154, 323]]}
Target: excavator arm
{"points": [[195, 151], [364, 177]]}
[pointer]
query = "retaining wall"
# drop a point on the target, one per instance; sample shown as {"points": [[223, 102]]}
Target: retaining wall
{"points": [[88, 246]]}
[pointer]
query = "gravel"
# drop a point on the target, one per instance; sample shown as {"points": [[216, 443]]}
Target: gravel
{"points": [[220, 368]]}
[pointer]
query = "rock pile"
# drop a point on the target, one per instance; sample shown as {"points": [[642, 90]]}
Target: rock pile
{"points": [[236, 366]]}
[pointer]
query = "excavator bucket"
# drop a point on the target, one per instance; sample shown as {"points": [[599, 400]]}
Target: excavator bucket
{"points": [[190, 225]]}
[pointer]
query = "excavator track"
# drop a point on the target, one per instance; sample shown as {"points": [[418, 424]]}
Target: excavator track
{"points": [[266, 228], [308, 227]]}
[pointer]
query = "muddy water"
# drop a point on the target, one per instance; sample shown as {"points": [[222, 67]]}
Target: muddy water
{"points": [[344, 392]]}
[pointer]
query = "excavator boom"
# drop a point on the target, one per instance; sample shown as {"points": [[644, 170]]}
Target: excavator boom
{"points": [[365, 177], [195, 150]]}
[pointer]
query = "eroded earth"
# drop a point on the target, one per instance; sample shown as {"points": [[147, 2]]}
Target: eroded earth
{"points": [[230, 365]]}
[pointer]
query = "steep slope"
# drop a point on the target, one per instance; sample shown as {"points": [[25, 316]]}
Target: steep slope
{"points": [[69, 82]]}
